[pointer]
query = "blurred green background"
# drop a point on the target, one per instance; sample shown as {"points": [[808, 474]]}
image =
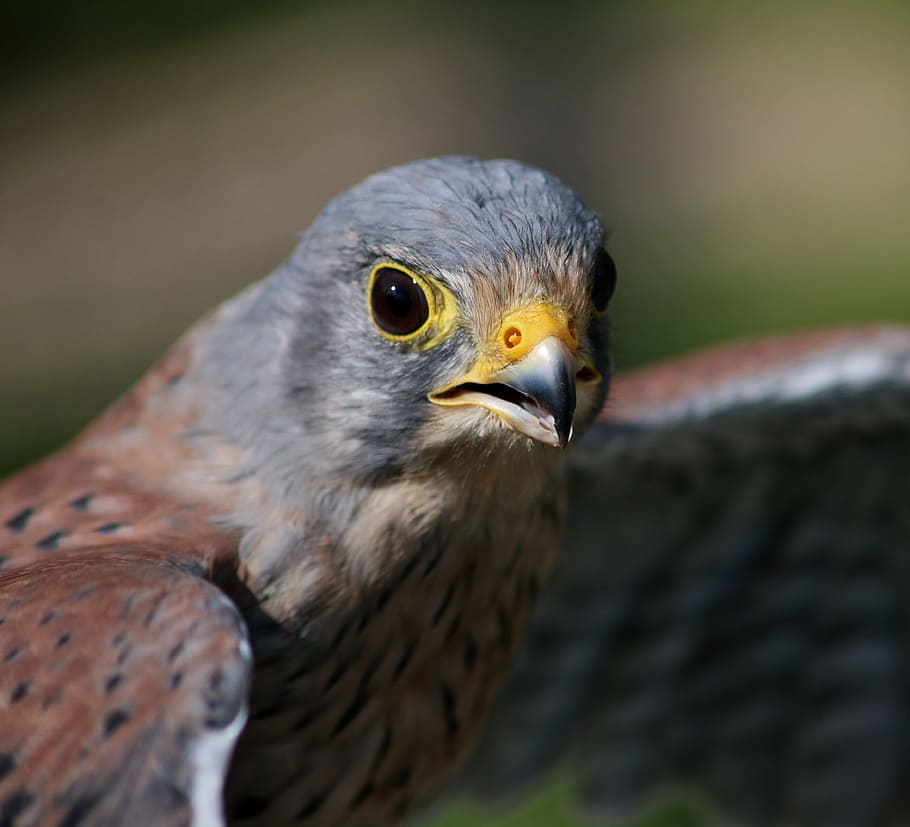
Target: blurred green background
{"points": [[752, 160]]}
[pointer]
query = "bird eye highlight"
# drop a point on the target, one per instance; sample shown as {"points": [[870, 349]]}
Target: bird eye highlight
{"points": [[603, 281], [399, 302]]}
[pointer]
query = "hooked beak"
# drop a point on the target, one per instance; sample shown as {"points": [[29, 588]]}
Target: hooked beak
{"points": [[530, 376]]}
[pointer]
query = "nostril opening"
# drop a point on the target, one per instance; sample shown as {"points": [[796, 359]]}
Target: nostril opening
{"points": [[511, 337]]}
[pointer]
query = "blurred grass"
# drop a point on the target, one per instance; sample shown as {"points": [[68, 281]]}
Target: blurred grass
{"points": [[751, 160], [554, 806]]}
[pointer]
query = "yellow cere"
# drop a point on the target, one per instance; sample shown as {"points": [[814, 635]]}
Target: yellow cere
{"points": [[517, 335], [522, 329]]}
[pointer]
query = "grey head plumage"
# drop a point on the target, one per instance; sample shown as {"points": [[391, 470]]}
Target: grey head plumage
{"points": [[300, 377]]}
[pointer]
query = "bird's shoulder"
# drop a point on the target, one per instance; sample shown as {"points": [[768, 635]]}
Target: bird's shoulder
{"points": [[121, 483]]}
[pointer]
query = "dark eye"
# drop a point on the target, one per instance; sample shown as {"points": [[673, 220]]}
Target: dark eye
{"points": [[398, 302], [603, 279]]}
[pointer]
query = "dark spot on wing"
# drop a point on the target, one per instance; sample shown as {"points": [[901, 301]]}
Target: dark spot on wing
{"points": [[79, 810], [176, 680], [52, 540], [65, 638], [7, 764], [20, 692], [51, 699], [109, 528], [80, 595], [18, 522], [222, 701], [112, 683], [82, 503], [13, 806], [114, 720], [151, 614], [12, 654], [127, 606], [48, 617], [216, 680]]}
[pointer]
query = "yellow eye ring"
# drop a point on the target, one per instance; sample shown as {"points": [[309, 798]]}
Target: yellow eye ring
{"points": [[409, 307]]}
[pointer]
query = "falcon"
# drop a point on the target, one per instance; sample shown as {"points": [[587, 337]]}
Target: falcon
{"points": [[376, 504]]}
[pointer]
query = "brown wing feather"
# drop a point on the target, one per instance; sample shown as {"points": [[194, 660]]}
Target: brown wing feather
{"points": [[115, 669]]}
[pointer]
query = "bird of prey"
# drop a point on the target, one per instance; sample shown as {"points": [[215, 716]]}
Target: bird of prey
{"points": [[377, 503]]}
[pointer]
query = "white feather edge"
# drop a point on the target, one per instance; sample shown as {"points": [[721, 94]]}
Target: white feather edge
{"points": [[850, 367], [210, 756]]}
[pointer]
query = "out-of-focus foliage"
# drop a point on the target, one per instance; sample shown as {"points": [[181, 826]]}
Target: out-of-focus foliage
{"points": [[37, 37], [751, 160], [555, 806]]}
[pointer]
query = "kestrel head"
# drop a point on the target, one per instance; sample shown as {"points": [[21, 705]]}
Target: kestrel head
{"points": [[450, 302]]}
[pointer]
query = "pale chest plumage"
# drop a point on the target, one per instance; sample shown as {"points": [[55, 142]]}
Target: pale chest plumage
{"points": [[369, 709]]}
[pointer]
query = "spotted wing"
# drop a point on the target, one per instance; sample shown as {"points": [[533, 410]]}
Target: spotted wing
{"points": [[733, 610], [123, 684]]}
